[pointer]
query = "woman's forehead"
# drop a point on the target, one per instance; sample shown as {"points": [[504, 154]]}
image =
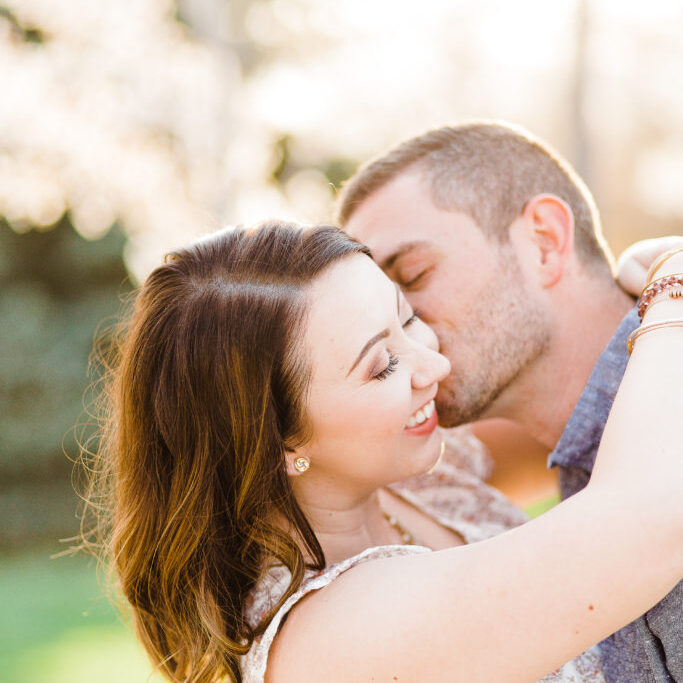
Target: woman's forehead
{"points": [[349, 303], [353, 279]]}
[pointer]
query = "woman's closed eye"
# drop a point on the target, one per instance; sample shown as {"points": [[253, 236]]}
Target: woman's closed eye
{"points": [[389, 368], [393, 360]]}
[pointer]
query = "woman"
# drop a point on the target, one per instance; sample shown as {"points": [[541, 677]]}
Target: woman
{"points": [[271, 386]]}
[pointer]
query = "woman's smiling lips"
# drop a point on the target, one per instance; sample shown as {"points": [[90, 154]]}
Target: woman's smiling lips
{"points": [[423, 421]]}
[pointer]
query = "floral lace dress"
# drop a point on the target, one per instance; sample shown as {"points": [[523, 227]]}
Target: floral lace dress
{"points": [[452, 494]]}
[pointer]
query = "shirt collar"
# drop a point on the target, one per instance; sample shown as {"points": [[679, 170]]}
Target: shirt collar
{"points": [[579, 441]]}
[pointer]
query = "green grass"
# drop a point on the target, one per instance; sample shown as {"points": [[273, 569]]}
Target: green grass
{"points": [[56, 625], [536, 509]]}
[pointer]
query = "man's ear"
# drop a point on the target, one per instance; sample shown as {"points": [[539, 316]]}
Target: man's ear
{"points": [[549, 222]]}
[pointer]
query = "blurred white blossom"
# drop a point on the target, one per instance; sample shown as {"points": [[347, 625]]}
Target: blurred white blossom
{"points": [[172, 127]]}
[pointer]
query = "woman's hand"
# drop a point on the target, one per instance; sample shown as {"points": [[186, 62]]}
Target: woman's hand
{"points": [[634, 262]]}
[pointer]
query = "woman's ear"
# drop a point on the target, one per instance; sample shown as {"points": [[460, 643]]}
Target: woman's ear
{"points": [[297, 463], [549, 224]]}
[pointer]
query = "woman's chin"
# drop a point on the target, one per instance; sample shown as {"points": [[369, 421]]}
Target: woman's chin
{"points": [[423, 459]]}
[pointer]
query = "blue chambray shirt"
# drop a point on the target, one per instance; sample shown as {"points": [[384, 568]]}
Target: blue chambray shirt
{"points": [[649, 649]]}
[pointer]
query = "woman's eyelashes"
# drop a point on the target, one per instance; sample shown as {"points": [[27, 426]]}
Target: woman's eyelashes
{"points": [[393, 360], [389, 368]]}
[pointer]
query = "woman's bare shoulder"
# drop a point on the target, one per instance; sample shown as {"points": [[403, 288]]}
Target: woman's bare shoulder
{"points": [[327, 624]]}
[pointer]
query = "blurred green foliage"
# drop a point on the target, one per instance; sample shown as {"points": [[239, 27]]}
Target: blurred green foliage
{"points": [[55, 287], [57, 625]]}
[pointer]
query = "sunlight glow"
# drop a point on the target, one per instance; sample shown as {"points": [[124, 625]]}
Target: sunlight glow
{"points": [[123, 113]]}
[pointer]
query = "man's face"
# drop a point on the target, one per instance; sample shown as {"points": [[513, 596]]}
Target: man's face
{"points": [[470, 289]]}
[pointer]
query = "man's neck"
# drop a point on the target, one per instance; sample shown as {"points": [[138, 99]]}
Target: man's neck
{"points": [[543, 400]]}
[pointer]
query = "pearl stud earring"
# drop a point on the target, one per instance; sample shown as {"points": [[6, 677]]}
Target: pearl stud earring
{"points": [[301, 464]]}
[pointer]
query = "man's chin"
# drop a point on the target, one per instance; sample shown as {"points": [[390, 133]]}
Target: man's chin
{"points": [[454, 412]]}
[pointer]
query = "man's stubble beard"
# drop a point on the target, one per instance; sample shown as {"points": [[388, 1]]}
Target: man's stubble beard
{"points": [[504, 334]]}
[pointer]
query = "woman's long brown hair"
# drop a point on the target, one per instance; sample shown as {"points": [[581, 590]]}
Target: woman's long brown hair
{"points": [[205, 394]]}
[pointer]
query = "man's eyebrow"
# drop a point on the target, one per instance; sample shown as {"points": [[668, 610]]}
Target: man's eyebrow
{"points": [[389, 261], [382, 335]]}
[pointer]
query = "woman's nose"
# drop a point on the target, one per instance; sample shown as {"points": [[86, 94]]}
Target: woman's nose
{"points": [[433, 367]]}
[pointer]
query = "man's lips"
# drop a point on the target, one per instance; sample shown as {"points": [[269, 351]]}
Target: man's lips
{"points": [[423, 421]]}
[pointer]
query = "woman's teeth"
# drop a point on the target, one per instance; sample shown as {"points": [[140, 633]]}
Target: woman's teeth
{"points": [[424, 413]]}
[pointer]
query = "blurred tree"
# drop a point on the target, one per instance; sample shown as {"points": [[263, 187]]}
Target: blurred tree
{"points": [[172, 116], [54, 288]]}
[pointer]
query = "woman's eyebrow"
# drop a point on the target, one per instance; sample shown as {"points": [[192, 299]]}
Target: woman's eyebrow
{"points": [[382, 335]]}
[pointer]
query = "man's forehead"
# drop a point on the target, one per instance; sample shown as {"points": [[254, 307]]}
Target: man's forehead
{"points": [[395, 201], [419, 229], [388, 237]]}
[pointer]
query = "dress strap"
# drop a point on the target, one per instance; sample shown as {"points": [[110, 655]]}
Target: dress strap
{"points": [[255, 661]]}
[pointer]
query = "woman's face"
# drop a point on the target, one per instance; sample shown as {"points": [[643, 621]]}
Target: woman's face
{"points": [[373, 367]]}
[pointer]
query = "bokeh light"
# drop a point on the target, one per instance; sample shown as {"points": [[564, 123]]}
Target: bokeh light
{"points": [[167, 117]]}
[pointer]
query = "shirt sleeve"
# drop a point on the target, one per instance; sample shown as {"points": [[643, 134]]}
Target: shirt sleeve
{"points": [[665, 623]]}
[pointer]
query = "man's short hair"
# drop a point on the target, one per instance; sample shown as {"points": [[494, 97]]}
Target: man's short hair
{"points": [[488, 171]]}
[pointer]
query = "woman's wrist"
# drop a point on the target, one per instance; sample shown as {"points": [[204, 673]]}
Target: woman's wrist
{"points": [[664, 309], [666, 305], [661, 304]]}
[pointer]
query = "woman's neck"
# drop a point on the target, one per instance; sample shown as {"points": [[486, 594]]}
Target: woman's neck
{"points": [[346, 527]]}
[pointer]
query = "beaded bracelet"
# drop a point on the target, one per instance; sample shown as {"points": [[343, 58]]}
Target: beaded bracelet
{"points": [[667, 294], [649, 328], [672, 282]]}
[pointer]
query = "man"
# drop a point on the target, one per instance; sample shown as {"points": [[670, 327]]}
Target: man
{"points": [[497, 244]]}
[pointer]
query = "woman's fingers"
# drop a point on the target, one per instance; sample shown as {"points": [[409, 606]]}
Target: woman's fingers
{"points": [[635, 261]]}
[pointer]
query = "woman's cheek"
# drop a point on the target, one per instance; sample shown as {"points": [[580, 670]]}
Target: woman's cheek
{"points": [[396, 410]]}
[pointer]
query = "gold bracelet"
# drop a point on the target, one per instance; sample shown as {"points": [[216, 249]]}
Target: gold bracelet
{"points": [[670, 283], [649, 328], [659, 262], [666, 294]]}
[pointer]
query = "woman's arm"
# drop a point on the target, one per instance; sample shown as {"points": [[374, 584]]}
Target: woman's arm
{"points": [[515, 607]]}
